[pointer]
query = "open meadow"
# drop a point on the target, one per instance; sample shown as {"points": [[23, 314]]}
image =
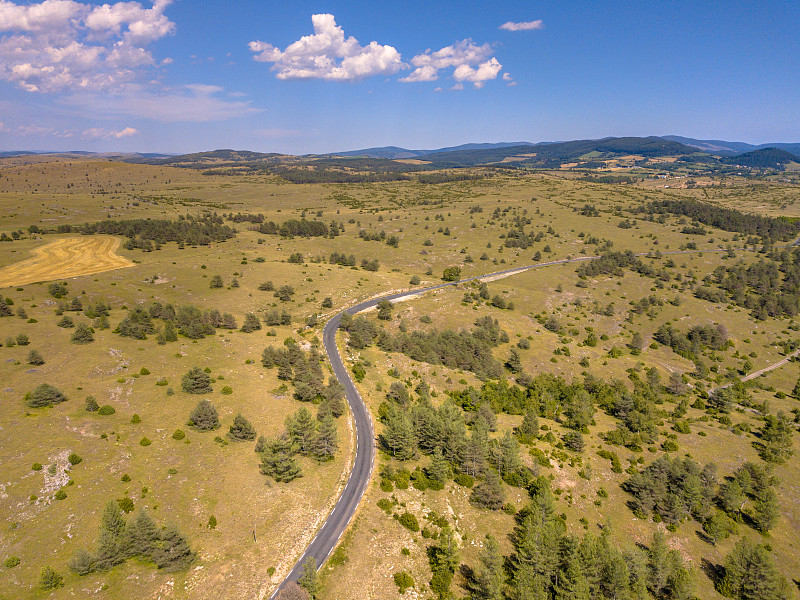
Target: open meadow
{"points": [[618, 362]]}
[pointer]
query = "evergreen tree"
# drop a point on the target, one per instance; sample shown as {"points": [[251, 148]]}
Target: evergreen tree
{"points": [[195, 381], [171, 551], [514, 363], [334, 395], [444, 558], [170, 335], [83, 334], [81, 563], [385, 310], [35, 358], [91, 404], [309, 580], [301, 429], [204, 416], [505, 454], [49, 579], [325, 442], [5, 309], [796, 389], [529, 428], [475, 452], [241, 429], [765, 510], [140, 536], [251, 323], [216, 282], [44, 395], [732, 499], [440, 469], [112, 519], [489, 575], [750, 574], [398, 435], [776, 438], [489, 493], [277, 461]]}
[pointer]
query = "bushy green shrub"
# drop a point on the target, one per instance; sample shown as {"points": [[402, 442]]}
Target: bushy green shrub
{"points": [[409, 521]]}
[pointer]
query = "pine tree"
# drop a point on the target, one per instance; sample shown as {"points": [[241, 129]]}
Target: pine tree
{"points": [[489, 493], [506, 454], [765, 510], [489, 574], [796, 389], [475, 452], [325, 442], [83, 334], [91, 404], [44, 395], [309, 580], [216, 282], [301, 429], [5, 309], [49, 579], [196, 381], [81, 563], [776, 438], [251, 323], [35, 358], [140, 536], [277, 461], [242, 429], [398, 435], [444, 558], [440, 468], [204, 416], [113, 521], [171, 551], [529, 428], [750, 574], [170, 335]]}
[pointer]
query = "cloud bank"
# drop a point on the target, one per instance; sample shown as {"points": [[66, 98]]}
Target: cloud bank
{"points": [[62, 45]]}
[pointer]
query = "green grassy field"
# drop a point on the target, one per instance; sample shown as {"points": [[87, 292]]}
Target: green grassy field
{"points": [[263, 525]]}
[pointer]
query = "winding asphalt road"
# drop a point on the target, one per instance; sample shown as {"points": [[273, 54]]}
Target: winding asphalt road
{"points": [[336, 524]]}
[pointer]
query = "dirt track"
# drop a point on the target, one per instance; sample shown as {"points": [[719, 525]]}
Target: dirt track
{"points": [[65, 258]]}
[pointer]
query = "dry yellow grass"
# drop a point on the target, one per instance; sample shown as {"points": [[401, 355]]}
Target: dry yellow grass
{"points": [[64, 258]]}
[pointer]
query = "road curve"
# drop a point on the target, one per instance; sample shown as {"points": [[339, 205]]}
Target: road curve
{"points": [[338, 520]]}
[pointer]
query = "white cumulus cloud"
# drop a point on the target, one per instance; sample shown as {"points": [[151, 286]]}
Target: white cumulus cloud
{"points": [[62, 45], [328, 54], [469, 61], [523, 25], [100, 133]]}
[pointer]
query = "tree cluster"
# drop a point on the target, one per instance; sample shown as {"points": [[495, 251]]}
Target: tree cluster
{"points": [[150, 234], [139, 537]]}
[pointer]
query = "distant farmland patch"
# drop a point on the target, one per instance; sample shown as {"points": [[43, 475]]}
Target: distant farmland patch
{"points": [[64, 258]]}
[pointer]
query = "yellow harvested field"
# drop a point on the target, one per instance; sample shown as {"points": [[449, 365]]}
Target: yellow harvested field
{"points": [[64, 258]]}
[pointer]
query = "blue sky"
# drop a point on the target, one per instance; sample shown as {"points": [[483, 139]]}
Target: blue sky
{"points": [[303, 77]]}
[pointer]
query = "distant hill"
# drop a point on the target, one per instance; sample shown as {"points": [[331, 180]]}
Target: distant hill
{"points": [[765, 158], [394, 152], [213, 158], [553, 154], [722, 148]]}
